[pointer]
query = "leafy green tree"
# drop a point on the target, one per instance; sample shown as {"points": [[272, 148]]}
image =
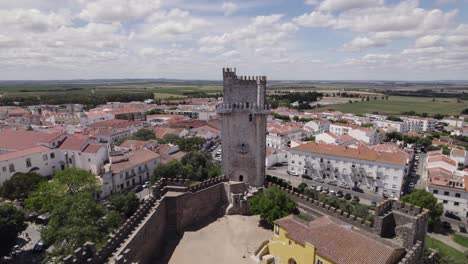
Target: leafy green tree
{"points": [[191, 144], [76, 219], [66, 182], [301, 187], [426, 141], [195, 165], [20, 185], [272, 204], [11, 225], [144, 134], [438, 116], [124, 203], [426, 200], [446, 150], [172, 169]]}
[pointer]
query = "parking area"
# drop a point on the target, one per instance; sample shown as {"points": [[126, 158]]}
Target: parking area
{"points": [[27, 249], [327, 187]]}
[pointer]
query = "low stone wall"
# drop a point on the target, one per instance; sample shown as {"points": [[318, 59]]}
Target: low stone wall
{"points": [[326, 209]]}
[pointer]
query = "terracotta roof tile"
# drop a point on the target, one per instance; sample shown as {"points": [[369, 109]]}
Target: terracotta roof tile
{"points": [[340, 243], [362, 153], [19, 140]]}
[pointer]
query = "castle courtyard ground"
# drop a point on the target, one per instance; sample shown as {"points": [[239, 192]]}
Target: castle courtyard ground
{"points": [[230, 239]]}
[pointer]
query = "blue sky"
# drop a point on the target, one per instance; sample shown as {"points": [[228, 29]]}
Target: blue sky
{"points": [[190, 39]]}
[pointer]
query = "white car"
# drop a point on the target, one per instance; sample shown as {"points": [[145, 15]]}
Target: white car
{"points": [[319, 188]]}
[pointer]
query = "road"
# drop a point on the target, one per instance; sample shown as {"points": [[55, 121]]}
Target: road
{"points": [[280, 172]]}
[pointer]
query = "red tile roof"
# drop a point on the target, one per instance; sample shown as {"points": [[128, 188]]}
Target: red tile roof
{"points": [[340, 243], [23, 153], [135, 158], [19, 140], [115, 123], [360, 153]]}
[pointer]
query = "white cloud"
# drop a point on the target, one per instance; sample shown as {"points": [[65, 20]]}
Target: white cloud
{"points": [[459, 36], [230, 8], [315, 19], [31, 20], [428, 41], [340, 5], [360, 43], [172, 24], [117, 10]]}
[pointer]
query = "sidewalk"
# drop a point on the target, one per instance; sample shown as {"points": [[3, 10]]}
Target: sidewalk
{"points": [[446, 239]]}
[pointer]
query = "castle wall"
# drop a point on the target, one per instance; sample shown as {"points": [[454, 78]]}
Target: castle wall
{"points": [[196, 208], [150, 236]]}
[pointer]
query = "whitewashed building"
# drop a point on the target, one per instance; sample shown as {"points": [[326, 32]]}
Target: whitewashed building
{"points": [[379, 172]]}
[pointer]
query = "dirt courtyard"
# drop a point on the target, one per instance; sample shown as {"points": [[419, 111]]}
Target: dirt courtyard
{"points": [[231, 239]]}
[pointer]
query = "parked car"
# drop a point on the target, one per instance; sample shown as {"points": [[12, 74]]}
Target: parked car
{"points": [[373, 204], [452, 215], [347, 196], [319, 179], [357, 189], [334, 183], [339, 194], [39, 246], [293, 173], [446, 225], [319, 188], [332, 192], [138, 188], [461, 228], [325, 190], [411, 185], [344, 185], [356, 198]]}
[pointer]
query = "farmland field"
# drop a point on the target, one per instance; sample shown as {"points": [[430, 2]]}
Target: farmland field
{"points": [[399, 104]]}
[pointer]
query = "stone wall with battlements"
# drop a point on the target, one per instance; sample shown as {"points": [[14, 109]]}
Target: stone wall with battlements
{"points": [[174, 208]]}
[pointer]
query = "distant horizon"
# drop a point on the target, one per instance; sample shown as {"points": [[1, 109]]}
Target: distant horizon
{"points": [[220, 80]]}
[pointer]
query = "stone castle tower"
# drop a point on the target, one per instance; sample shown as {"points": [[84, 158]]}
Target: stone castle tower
{"points": [[243, 114]]}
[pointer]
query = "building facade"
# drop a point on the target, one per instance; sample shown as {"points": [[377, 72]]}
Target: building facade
{"points": [[243, 115], [380, 172]]}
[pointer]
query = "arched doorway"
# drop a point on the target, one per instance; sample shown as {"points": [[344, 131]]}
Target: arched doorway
{"points": [[291, 261], [241, 178]]}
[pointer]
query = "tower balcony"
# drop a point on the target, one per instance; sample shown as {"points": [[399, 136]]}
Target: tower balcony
{"points": [[226, 108]]}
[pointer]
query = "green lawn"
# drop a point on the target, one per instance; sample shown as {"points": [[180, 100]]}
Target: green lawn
{"points": [[462, 240], [445, 251], [399, 104]]}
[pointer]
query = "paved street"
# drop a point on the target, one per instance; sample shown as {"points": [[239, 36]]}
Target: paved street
{"points": [[280, 172]]}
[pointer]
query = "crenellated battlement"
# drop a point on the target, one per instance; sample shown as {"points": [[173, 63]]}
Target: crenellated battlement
{"points": [[231, 73], [306, 203]]}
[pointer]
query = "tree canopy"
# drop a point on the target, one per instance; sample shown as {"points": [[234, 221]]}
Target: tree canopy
{"points": [[11, 225], [20, 185], [69, 181], [75, 216], [272, 204], [144, 134], [124, 203], [185, 144], [196, 166], [426, 200]]}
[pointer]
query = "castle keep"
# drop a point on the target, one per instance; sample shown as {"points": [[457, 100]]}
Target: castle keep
{"points": [[243, 113]]}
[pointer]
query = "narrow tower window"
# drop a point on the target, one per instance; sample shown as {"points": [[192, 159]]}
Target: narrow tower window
{"points": [[250, 117]]}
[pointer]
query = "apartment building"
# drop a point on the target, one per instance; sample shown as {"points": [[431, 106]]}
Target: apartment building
{"points": [[128, 169], [376, 171], [392, 125], [419, 124], [364, 134], [450, 190]]}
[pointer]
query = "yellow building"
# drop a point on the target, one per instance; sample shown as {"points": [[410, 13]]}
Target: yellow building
{"points": [[325, 240]]}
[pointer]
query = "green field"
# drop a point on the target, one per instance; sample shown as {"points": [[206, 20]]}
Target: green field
{"points": [[399, 104], [447, 253], [459, 239]]}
